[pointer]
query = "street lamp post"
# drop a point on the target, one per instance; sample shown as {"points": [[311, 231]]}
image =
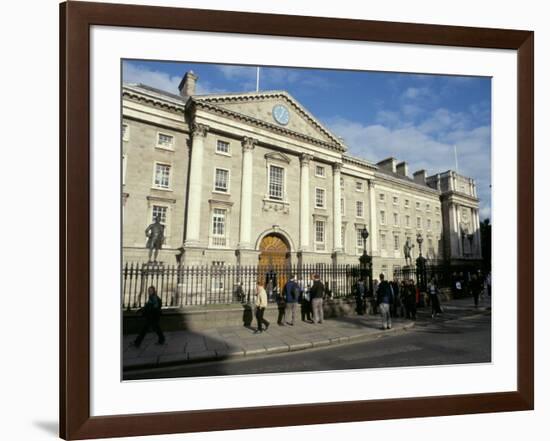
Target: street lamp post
{"points": [[420, 264], [366, 261]]}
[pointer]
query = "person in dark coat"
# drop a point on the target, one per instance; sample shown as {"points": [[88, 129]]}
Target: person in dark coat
{"points": [[292, 293], [384, 298], [396, 298], [151, 312], [360, 296], [433, 293], [476, 288], [410, 299], [317, 293]]}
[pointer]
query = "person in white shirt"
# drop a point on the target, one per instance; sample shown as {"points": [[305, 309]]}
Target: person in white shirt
{"points": [[261, 304]]}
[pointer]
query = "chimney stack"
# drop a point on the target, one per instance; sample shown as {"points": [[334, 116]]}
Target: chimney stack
{"points": [[388, 164], [403, 169], [420, 177], [188, 84]]}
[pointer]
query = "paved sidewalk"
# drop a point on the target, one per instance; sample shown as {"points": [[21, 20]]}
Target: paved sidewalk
{"points": [[237, 341], [233, 342]]}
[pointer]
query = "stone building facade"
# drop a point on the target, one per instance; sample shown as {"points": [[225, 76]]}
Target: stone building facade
{"points": [[254, 178]]}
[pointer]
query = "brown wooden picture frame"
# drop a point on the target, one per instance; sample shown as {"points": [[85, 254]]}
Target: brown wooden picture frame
{"points": [[76, 18]]}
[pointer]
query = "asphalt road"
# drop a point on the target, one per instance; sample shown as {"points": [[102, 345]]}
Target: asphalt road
{"points": [[464, 338]]}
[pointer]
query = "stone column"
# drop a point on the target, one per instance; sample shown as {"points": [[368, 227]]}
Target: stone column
{"points": [[248, 145], [457, 229], [337, 207], [373, 227], [477, 233], [304, 202], [194, 200]]}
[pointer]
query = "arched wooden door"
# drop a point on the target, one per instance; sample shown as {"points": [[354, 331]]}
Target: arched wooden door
{"points": [[275, 258]]}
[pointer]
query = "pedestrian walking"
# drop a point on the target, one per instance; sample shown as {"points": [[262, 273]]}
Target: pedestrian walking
{"points": [[151, 312], [396, 298], [292, 295], [317, 293], [384, 299], [410, 299], [433, 293], [305, 301], [360, 296], [261, 304]]}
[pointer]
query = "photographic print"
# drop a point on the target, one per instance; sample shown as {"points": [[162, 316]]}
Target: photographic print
{"points": [[279, 219]]}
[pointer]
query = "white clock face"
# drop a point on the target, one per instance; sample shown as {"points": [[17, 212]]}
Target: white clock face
{"points": [[281, 114]]}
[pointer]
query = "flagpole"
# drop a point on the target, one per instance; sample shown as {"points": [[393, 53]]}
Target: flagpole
{"points": [[456, 160], [258, 79]]}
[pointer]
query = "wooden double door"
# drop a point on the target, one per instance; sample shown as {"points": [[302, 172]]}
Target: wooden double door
{"points": [[275, 258]]}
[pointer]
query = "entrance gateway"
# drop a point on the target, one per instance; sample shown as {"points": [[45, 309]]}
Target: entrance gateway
{"points": [[274, 259]]}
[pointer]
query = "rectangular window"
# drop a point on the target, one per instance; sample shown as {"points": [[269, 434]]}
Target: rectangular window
{"points": [[395, 200], [162, 176], [382, 241], [358, 238], [359, 186], [161, 212], [429, 224], [359, 209], [343, 206], [276, 182], [407, 221], [221, 180], [418, 222], [382, 197], [406, 203], [165, 141], [218, 227], [437, 225], [382, 217], [395, 219], [396, 243], [418, 205], [222, 147], [428, 207], [431, 250], [320, 232], [319, 198], [320, 171], [125, 132]]}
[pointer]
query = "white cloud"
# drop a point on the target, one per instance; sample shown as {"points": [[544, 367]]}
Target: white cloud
{"points": [[160, 80], [412, 93], [427, 145]]}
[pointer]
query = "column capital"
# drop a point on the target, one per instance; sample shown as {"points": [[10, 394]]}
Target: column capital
{"points": [[305, 158], [337, 167], [248, 143], [198, 129]]}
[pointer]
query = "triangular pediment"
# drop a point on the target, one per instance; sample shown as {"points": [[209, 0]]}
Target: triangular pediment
{"points": [[277, 156], [267, 107]]}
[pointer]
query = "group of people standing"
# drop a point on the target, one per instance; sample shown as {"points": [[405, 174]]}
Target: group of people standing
{"points": [[309, 296], [399, 299]]}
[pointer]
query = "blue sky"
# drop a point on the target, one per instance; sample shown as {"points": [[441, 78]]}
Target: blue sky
{"points": [[415, 118]]}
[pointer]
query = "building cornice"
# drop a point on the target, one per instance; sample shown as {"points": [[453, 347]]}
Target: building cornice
{"points": [[407, 184], [153, 99], [211, 108], [262, 96]]}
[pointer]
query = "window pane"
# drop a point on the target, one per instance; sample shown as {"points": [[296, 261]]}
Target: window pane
{"points": [[359, 208], [165, 140], [222, 146], [276, 182], [161, 212], [162, 176], [222, 180], [319, 231], [319, 197]]}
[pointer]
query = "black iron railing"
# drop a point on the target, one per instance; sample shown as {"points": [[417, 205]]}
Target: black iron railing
{"points": [[180, 285]]}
